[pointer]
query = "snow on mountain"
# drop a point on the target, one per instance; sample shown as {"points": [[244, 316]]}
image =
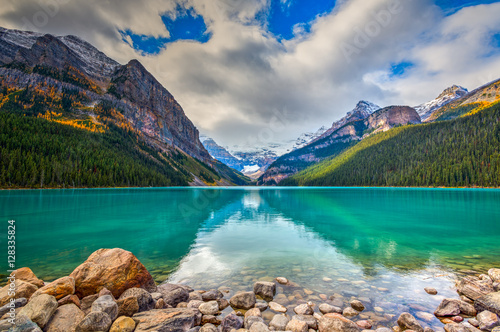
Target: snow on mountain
{"points": [[24, 39], [425, 110]]}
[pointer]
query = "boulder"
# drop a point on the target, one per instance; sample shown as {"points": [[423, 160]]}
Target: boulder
{"points": [[311, 322], [357, 305], [86, 303], [106, 304], [17, 303], [65, 319], [123, 324], [487, 320], [21, 324], [23, 289], [25, 274], [303, 309], [494, 274], [230, 322], [94, 322], [453, 307], [171, 319], [326, 308], [173, 294], [70, 299], [337, 323], [58, 288], [297, 326], [212, 295], [209, 308], [490, 302], [144, 299], [243, 300], [259, 327], [474, 288], [407, 322], [127, 306], [430, 290], [265, 289], [40, 309], [114, 269], [279, 322], [274, 306]]}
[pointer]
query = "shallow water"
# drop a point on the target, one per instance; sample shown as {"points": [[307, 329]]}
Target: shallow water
{"points": [[381, 245]]}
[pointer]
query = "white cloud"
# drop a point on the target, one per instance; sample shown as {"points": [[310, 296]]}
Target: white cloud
{"points": [[233, 85]]}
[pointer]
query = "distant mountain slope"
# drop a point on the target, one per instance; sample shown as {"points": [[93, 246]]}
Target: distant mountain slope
{"points": [[461, 152], [67, 80], [221, 154], [343, 137], [480, 97], [448, 95]]}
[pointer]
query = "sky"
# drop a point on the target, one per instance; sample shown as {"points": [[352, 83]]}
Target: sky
{"points": [[251, 72]]}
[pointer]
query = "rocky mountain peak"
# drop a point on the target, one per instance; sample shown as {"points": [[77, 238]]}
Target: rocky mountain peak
{"points": [[454, 91], [448, 95]]}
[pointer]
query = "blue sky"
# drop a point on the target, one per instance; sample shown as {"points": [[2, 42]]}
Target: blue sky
{"points": [[280, 18]]}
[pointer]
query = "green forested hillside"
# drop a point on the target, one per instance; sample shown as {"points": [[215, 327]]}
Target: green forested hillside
{"points": [[460, 152]]}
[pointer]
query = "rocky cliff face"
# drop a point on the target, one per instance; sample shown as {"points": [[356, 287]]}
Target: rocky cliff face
{"points": [[144, 102], [221, 154], [339, 139]]}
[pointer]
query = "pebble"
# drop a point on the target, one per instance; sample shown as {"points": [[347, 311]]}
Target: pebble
{"points": [[430, 290], [277, 307], [364, 324], [282, 280]]}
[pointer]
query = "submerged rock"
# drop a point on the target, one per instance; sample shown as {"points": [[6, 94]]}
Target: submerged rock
{"points": [[279, 322], [265, 289], [357, 305], [453, 307], [114, 269], [326, 308], [407, 321], [430, 290], [243, 300], [474, 288], [303, 309], [282, 280]]}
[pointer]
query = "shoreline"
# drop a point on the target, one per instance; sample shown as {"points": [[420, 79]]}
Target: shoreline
{"points": [[125, 292]]}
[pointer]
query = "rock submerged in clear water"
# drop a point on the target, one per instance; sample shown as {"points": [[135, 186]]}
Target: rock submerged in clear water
{"points": [[243, 300], [265, 289]]}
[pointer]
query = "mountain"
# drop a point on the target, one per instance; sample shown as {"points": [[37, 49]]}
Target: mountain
{"points": [[65, 80], [463, 152], [357, 125], [481, 97], [448, 95], [307, 138], [221, 154]]}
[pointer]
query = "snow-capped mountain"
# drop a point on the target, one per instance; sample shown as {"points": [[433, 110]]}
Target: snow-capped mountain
{"points": [[448, 95], [307, 138]]}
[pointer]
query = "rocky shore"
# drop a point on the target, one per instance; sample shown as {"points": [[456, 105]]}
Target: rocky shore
{"points": [[113, 291]]}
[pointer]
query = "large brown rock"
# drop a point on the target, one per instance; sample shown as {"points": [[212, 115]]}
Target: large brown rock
{"points": [[40, 309], [58, 288], [144, 299], [490, 302], [25, 274], [407, 322], [128, 306], [454, 307], [337, 323], [243, 300], [23, 289], [167, 320], [474, 288], [114, 269], [65, 319]]}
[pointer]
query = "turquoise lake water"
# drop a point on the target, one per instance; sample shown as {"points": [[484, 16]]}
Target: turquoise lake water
{"points": [[381, 245]]}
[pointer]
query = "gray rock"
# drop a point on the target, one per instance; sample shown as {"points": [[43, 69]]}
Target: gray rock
{"points": [[40, 309], [259, 327], [230, 322], [312, 323], [357, 305], [223, 304], [208, 328], [21, 324], [249, 321], [430, 290], [212, 295], [265, 289], [156, 296], [65, 319], [195, 304], [326, 308], [487, 320], [106, 304], [243, 300], [494, 274], [261, 305], [209, 308], [474, 288], [490, 302], [173, 294], [171, 319], [453, 307], [282, 280], [279, 322], [17, 303], [407, 321], [303, 309], [94, 322], [86, 303], [337, 323], [195, 296], [144, 299]]}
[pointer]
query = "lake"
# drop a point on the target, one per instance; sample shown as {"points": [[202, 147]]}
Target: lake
{"points": [[381, 245]]}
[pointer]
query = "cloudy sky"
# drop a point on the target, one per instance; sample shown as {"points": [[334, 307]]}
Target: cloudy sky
{"points": [[267, 70]]}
